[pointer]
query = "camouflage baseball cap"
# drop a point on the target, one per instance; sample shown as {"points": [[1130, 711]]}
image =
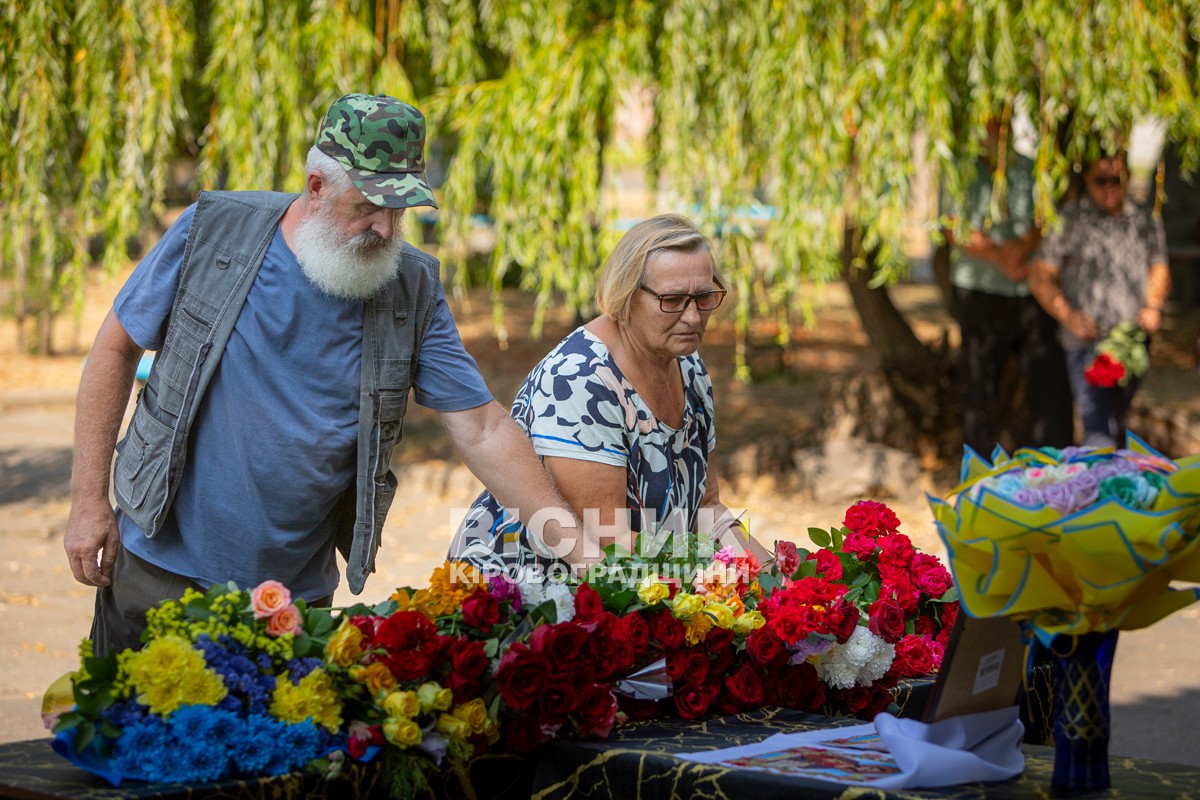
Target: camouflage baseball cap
{"points": [[381, 143]]}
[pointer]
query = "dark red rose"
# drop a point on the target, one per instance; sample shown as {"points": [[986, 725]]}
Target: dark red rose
{"points": [[465, 689], [856, 700], [587, 603], [842, 620], [411, 644], [468, 659], [523, 733], [633, 629], [676, 664], [481, 610], [718, 639], [635, 709], [619, 658], [692, 702], [765, 647], [800, 687], [829, 566], [885, 619], [560, 644], [666, 629], [721, 660], [695, 672], [871, 518], [556, 702], [597, 711], [745, 684], [925, 626], [949, 613], [521, 675]]}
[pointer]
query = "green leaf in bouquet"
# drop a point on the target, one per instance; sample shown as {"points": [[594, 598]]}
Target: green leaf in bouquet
{"points": [[615, 599], [302, 644], [109, 731], [84, 734], [769, 583], [838, 535], [852, 595], [491, 647], [197, 610], [546, 612], [951, 596], [861, 579], [807, 569], [68, 720], [820, 537]]}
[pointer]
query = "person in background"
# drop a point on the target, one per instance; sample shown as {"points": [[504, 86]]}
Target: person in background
{"points": [[621, 411], [290, 330], [1106, 265], [998, 317]]}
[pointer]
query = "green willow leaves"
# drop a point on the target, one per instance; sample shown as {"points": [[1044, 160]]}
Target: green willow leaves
{"points": [[797, 131]]}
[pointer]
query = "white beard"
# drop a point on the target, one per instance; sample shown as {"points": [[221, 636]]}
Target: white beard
{"points": [[347, 267]]}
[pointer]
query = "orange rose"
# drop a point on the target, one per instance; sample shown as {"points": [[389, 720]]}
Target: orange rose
{"points": [[285, 620], [269, 597]]}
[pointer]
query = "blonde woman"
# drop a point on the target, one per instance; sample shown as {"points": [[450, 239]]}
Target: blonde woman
{"points": [[621, 411]]}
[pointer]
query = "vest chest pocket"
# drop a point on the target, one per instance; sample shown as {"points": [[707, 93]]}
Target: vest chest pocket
{"points": [[140, 476]]}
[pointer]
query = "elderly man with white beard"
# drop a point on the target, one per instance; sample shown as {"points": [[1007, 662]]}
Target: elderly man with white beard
{"points": [[290, 330]]}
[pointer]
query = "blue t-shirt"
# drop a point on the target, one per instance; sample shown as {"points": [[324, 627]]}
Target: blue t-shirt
{"points": [[275, 439]]}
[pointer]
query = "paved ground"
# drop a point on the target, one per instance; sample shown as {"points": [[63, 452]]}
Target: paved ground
{"points": [[44, 613]]}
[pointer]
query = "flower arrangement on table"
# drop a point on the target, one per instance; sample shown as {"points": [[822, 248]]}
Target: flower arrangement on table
{"points": [[1120, 357], [242, 683], [1076, 544]]}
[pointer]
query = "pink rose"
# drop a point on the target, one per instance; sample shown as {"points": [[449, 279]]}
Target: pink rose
{"points": [[285, 620], [930, 576], [859, 545], [269, 597], [786, 558]]}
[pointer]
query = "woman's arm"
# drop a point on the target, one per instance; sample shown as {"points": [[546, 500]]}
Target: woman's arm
{"points": [[596, 493], [730, 530]]}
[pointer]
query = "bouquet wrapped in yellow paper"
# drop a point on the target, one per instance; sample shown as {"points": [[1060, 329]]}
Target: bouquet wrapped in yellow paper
{"points": [[1076, 540]]}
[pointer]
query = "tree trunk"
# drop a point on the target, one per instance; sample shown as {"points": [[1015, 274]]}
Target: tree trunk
{"points": [[921, 378]]}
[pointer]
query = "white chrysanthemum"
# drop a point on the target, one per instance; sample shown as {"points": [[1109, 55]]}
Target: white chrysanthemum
{"points": [[564, 601], [533, 593], [861, 661]]}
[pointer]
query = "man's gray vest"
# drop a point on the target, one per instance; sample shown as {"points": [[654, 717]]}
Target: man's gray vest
{"points": [[228, 238]]}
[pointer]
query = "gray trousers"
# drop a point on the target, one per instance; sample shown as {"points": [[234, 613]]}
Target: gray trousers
{"points": [[138, 586]]}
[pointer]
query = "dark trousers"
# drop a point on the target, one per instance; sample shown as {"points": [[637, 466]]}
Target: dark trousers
{"points": [[995, 328], [138, 586], [1102, 411]]}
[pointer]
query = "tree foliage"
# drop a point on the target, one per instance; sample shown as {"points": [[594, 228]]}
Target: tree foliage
{"points": [[821, 110]]}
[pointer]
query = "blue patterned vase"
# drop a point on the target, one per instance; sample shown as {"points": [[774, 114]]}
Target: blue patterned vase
{"points": [[1082, 671]]}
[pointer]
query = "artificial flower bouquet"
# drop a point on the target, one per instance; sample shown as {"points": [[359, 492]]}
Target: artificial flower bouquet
{"points": [[1120, 357], [1076, 540]]}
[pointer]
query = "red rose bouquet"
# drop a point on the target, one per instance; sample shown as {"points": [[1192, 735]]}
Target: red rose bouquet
{"points": [[1120, 357]]}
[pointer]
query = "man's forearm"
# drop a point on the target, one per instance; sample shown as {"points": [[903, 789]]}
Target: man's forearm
{"points": [[100, 407]]}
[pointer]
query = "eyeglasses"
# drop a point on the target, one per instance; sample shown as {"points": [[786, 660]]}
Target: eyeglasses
{"points": [[1104, 181], [677, 303]]}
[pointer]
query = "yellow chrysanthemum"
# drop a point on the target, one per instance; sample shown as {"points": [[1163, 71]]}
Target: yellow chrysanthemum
{"points": [[451, 583], [312, 698], [166, 674], [402, 732], [345, 645]]}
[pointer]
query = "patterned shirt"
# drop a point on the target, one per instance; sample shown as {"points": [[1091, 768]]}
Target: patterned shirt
{"points": [[1103, 262], [576, 403], [1013, 220]]}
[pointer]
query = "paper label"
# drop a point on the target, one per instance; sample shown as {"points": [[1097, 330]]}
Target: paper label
{"points": [[988, 674]]}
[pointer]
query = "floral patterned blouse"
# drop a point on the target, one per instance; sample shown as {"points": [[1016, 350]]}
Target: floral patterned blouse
{"points": [[576, 403]]}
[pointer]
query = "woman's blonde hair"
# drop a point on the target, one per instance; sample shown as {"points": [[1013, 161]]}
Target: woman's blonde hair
{"points": [[625, 269]]}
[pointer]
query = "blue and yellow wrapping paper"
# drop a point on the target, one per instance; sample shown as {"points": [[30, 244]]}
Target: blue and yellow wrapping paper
{"points": [[1105, 567]]}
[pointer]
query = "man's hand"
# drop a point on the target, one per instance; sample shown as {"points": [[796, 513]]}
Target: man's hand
{"points": [[1149, 319], [1081, 326], [91, 543]]}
